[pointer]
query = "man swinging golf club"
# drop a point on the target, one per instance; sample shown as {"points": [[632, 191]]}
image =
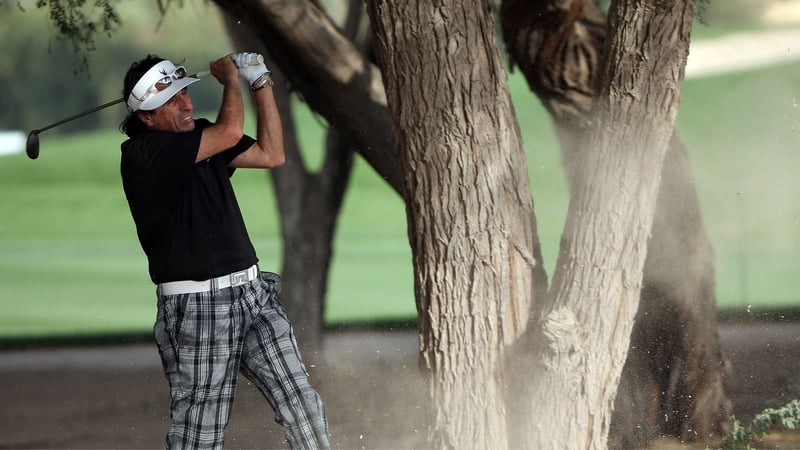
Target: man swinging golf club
{"points": [[217, 313]]}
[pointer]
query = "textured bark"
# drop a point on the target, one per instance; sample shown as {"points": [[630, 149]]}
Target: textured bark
{"points": [[469, 209], [672, 381], [582, 335]]}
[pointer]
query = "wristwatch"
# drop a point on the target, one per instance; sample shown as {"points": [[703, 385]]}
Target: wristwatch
{"points": [[262, 81]]}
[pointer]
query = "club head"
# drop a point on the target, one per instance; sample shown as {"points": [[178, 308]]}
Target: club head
{"points": [[32, 145]]}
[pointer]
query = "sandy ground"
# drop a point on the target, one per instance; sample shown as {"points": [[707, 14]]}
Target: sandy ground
{"points": [[115, 396]]}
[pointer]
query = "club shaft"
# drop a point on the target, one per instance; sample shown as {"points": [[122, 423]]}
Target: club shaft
{"points": [[103, 106], [253, 61], [79, 115]]}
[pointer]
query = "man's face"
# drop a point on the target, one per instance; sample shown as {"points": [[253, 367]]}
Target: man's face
{"points": [[175, 115]]}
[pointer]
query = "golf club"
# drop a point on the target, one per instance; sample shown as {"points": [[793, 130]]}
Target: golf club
{"points": [[32, 144]]}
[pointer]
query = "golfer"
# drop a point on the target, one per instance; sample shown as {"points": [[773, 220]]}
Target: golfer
{"points": [[217, 313]]}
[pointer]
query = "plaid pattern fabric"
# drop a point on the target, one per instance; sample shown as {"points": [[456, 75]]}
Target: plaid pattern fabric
{"points": [[206, 338]]}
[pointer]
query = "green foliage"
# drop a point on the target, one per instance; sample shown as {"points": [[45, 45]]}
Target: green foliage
{"points": [[77, 25], [785, 418], [700, 9]]}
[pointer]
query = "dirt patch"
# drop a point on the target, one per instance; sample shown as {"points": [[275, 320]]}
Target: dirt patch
{"points": [[115, 397]]}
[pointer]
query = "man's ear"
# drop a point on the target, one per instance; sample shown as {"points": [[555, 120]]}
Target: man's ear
{"points": [[145, 117]]}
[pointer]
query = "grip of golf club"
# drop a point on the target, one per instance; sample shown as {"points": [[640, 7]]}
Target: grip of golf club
{"points": [[255, 60]]}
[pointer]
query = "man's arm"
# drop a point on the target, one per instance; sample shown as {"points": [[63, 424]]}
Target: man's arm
{"points": [[229, 126], [268, 150]]}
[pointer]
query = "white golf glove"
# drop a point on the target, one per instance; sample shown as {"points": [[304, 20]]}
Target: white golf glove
{"points": [[251, 66]]}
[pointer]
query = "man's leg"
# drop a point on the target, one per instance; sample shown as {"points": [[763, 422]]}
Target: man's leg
{"points": [[199, 340], [272, 361]]}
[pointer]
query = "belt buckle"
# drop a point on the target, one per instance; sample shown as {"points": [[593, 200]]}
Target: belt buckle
{"points": [[238, 278]]}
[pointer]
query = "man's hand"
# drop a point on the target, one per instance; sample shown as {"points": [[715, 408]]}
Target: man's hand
{"points": [[251, 66], [224, 70]]}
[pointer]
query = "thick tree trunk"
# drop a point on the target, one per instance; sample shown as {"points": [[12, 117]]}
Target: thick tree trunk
{"points": [[583, 333], [469, 209], [672, 381]]}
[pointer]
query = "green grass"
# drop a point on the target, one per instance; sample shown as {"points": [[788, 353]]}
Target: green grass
{"points": [[742, 134], [70, 262]]}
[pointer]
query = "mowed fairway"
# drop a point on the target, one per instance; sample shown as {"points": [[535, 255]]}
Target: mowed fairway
{"points": [[70, 262]]}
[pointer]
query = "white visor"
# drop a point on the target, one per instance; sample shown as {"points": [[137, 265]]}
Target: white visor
{"points": [[158, 85]]}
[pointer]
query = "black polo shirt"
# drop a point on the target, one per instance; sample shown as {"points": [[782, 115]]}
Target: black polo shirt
{"points": [[186, 214]]}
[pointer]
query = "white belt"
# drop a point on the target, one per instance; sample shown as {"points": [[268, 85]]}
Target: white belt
{"points": [[225, 281]]}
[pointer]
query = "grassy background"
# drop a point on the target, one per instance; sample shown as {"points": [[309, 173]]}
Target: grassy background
{"points": [[70, 262], [742, 135]]}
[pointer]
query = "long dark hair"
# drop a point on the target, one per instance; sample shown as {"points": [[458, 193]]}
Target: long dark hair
{"points": [[132, 125]]}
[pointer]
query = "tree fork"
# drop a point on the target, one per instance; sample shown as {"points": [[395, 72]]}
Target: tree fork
{"points": [[599, 272], [560, 47]]}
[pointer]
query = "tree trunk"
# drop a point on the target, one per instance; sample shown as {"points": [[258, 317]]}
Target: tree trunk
{"points": [[583, 331], [672, 380], [678, 389], [469, 209]]}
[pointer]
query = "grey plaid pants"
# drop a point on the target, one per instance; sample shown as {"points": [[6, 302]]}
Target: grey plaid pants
{"points": [[206, 338]]}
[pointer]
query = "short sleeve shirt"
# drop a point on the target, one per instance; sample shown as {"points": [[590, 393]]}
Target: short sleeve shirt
{"points": [[187, 218]]}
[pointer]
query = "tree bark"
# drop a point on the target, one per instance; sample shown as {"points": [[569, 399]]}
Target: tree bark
{"points": [[469, 209], [672, 380], [679, 389], [583, 331]]}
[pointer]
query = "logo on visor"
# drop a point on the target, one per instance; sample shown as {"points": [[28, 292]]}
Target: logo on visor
{"points": [[160, 85]]}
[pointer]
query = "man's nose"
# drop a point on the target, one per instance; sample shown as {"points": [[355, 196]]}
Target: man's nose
{"points": [[185, 100]]}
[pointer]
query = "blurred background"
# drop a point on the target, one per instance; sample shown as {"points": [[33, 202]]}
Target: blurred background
{"points": [[70, 263]]}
